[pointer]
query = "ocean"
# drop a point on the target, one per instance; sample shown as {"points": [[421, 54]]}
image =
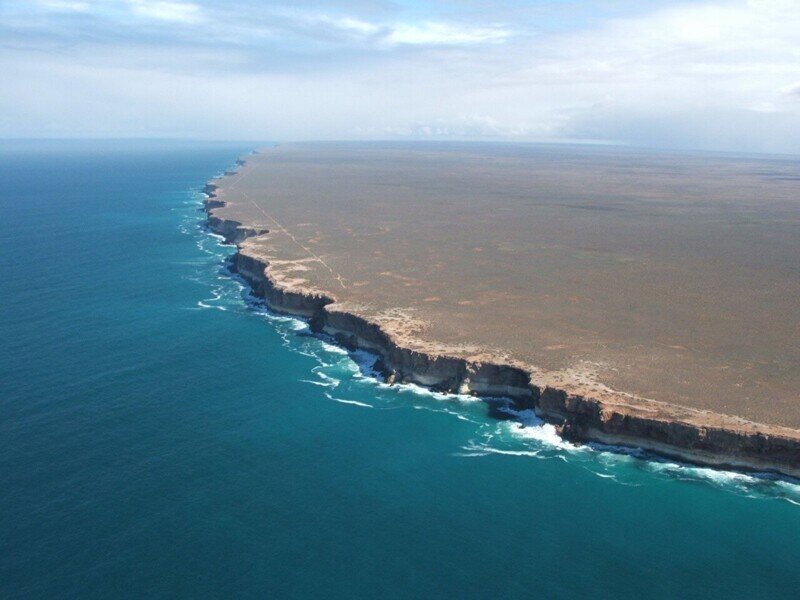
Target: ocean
{"points": [[163, 435]]}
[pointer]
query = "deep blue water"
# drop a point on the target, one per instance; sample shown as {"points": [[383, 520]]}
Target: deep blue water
{"points": [[161, 436]]}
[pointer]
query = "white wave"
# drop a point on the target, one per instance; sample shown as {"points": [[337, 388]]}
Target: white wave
{"points": [[527, 425], [320, 383], [334, 349], [419, 390], [544, 433], [789, 486], [327, 378], [202, 304], [219, 240], [352, 368], [352, 402], [293, 322], [759, 484], [288, 342], [505, 452], [444, 411], [365, 361]]}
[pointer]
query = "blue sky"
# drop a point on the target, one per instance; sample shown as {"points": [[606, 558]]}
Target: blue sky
{"points": [[708, 75]]}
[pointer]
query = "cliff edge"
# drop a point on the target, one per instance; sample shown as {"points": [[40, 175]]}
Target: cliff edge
{"points": [[697, 436]]}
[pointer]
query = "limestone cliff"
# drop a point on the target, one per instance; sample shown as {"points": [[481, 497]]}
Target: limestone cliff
{"points": [[687, 434]]}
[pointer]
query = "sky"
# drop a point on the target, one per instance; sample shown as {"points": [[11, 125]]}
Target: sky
{"points": [[717, 75]]}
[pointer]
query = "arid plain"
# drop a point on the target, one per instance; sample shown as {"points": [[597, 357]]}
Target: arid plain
{"points": [[612, 272]]}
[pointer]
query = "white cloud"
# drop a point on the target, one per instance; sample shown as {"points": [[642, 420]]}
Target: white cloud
{"points": [[717, 74], [65, 5], [435, 33], [178, 12], [427, 33], [354, 25], [792, 89], [763, 107]]}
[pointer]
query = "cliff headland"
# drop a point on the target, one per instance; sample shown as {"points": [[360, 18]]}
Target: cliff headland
{"points": [[585, 287]]}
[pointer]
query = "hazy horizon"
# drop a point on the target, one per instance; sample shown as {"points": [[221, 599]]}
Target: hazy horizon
{"points": [[258, 144], [718, 75]]}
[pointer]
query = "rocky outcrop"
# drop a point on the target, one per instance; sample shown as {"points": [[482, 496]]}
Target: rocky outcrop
{"points": [[680, 433], [211, 201], [686, 434], [399, 364], [233, 231], [255, 271]]}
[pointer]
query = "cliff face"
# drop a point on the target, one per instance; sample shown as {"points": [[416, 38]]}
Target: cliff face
{"points": [[256, 272], [233, 231], [687, 434], [742, 445], [399, 364]]}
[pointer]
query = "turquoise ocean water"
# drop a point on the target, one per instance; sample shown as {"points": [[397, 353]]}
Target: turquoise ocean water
{"points": [[162, 435]]}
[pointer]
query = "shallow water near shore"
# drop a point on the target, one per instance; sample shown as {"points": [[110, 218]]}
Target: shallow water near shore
{"points": [[164, 434]]}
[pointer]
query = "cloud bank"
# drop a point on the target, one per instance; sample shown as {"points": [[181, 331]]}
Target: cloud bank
{"points": [[708, 75]]}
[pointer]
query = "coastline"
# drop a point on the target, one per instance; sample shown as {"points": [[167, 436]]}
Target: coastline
{"points": [[690, 435]]}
